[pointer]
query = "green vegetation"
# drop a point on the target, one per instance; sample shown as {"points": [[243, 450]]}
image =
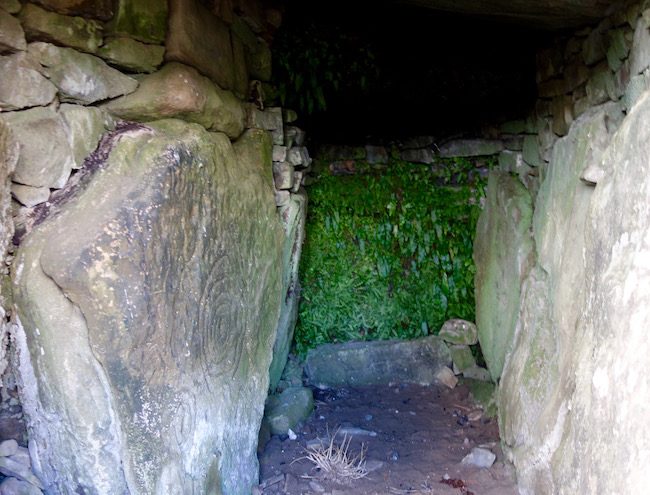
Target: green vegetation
{"points": [[313, 63], [388, 253]]}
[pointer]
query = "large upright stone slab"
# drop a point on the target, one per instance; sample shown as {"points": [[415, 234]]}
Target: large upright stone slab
{"points": [[198, 38], [610, 376], [180, 91], [380, 362], [292, 216], [504, 254], [149, 306], [538, 379]]}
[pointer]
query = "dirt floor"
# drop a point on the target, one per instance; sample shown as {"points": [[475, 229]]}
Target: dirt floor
{"points": [[413, 439]]}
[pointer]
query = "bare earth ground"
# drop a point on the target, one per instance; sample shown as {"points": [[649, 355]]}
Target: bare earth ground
{"points": [[421, 435]]}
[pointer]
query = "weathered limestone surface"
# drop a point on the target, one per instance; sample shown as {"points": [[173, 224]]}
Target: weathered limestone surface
{"points": [[49, 144], [355, 364], [131, 54], [285, 410], [84, 127], [12, 36], [640, 54], [8, 159], [75, 32], [504, 254], [293, 216], [28, 195], [150, 327], [198, 38], [45, 157], [538, 378], [81, 77], [22, 85], [180, 91], [610, 382]]}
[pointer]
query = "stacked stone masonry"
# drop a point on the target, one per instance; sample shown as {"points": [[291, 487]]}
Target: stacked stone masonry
{"points": [[142, 121]]}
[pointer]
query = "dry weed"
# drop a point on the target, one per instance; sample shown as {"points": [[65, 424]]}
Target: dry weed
{"points": [[336, 462]]}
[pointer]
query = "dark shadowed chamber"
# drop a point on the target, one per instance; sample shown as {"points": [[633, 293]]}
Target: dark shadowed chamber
{"points": [[402, 70]]}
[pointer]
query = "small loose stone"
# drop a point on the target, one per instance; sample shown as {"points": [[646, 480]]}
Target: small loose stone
{"points": [[8, 447]]}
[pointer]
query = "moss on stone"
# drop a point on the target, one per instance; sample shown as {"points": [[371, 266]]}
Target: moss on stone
{"points": [[143, 20]]}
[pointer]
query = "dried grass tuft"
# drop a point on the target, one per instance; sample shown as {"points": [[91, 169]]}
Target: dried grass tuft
{"points": [[336, 462]]}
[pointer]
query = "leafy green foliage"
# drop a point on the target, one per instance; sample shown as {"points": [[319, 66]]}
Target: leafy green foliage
{"points": [[388, 254], [312, 63]]}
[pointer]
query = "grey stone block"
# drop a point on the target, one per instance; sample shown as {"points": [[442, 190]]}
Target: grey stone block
{"points": [[377, 363]]}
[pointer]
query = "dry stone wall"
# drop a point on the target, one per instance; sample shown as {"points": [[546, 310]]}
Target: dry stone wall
{"points": [[157, 214], [571, 360]]}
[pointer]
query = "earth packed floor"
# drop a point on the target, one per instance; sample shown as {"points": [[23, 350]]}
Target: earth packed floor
{"points": [[413, 438]]}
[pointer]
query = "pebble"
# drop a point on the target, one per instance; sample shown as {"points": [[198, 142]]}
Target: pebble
{"points": [[22, 456], [354, 431], [8, 447], [368, 417], [314, 444], [374, 465], [316, 487], [475, 415], [479, 457], [393, 455], [292, 434]]}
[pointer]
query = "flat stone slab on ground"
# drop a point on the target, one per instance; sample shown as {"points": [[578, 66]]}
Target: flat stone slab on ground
{"points": [[377, 363]]}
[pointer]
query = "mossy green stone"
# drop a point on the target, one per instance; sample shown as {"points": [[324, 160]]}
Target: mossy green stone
{"points": [[484, 394], [74, 32], [286, 410], [462, 357], [531, 152], [143, 20], [504, 254], [179, 91], [131, 55]]}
